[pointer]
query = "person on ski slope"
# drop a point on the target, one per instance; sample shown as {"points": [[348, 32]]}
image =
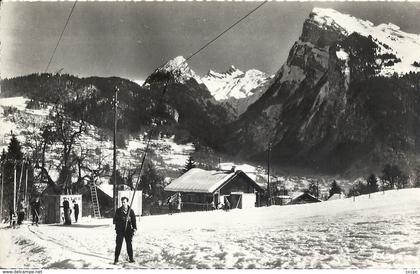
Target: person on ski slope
{"points": [[21, 212], [35, 206], [76, 210], [67, 212], [125, 227]]}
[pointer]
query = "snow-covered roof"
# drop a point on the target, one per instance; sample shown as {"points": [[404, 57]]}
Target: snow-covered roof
{"points": [[202, 181], [283, 197], [300, 194]]}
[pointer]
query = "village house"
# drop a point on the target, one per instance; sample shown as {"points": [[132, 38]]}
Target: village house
{"points": [[208, 189], [303, 198]]}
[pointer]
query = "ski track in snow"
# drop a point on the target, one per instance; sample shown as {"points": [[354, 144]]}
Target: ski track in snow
{"points": [[380, 232]]}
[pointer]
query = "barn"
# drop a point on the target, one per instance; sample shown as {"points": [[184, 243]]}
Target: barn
{"points": [[206, 189]]}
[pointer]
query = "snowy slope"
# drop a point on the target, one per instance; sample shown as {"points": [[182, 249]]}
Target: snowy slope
{"points": [[389, 37], [138, 82], [24, 120], [377, 232]]}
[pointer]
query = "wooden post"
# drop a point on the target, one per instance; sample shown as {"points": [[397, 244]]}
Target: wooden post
{"points": [[268, 176], [114, 167], [2, 181], [26, 194], [14, 189], [20, 180], [354, 195]]}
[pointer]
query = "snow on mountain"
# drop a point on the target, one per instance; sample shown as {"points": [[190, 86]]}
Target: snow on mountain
{"points": [[380, 231], [239, 89], [138, 82], [235, 90], [389, 37], [234, 83], [179, 69]]}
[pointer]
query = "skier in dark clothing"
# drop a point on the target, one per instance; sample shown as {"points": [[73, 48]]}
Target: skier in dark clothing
{"points": [[76, 210], [35, 210], [170, 205], [125, 227], [21, 212], [13, 217], [67, 212]]}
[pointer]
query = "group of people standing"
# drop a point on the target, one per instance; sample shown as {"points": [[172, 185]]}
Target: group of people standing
{"points": [[67, 211], [174, 203], [16, 218]]}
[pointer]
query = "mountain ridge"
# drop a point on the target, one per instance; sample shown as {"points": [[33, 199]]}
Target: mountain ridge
{"points": [[314, 113]]}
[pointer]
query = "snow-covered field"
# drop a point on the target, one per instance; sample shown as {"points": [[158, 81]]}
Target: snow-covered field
{"points": [[382, 231]]}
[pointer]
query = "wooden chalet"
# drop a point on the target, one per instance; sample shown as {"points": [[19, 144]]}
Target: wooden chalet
{"points": [[208, 189], [303, 198]]}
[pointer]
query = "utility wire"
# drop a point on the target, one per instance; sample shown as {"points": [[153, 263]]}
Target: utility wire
{"points": [[226, 30], [222, 33], [61, 35], [217, 37]]}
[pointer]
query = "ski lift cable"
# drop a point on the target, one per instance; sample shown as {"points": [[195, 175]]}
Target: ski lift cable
{"points": [[214, 39], [226, 30], [222, 33], [191, 56], [165, 88], [61, 36]]}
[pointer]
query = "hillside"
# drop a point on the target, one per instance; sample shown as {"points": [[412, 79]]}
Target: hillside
{"points": [[96, 145], [138, 107]]}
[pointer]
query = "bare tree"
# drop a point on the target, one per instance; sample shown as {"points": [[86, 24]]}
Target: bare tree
{"points": [[62, 131]]}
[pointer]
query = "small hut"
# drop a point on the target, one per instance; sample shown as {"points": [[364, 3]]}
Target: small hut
{"points": [[200, 189], [304, 198], [281, 199]]}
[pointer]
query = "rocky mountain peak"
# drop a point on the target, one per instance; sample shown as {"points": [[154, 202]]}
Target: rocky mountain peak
{"points": [[176, 69], [233, 71]]}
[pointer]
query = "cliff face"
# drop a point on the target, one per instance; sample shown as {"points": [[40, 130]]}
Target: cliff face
{"points": [[334, 104]]}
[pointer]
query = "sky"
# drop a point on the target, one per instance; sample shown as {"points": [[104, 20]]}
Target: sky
{"points": [[132, 39]]}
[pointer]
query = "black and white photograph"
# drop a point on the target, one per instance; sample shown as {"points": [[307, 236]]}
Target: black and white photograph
{"points": [[216, 135]]}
